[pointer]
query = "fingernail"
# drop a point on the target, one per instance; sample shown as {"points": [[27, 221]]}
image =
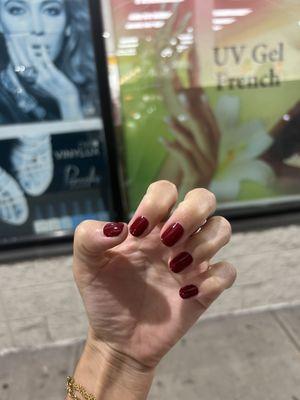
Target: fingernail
{"points": [[139, 226], [180, 262], [113, 229], [188, 291], [172, 234]]}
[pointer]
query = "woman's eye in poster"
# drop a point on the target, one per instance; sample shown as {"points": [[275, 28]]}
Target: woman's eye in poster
{"points": [[15, 9], [48, 68], [53, 9]]}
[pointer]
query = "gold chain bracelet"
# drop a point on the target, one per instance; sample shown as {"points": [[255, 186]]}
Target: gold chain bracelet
{"points": [[73, 387]]}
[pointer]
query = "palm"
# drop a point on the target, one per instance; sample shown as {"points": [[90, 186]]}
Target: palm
{"points": [[132, 300]]}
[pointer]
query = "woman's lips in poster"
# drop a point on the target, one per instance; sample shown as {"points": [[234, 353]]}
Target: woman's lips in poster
{"points": [[37, 46]]}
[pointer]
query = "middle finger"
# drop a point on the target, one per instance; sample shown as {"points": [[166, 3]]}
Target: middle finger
{"points": [[201, 247], [190, 214]]}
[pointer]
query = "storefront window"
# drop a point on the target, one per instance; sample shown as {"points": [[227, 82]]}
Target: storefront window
{"points": [[210, 97]]}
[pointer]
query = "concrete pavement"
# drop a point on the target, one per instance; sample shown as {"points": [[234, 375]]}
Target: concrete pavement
{"points": [[252, 356]]}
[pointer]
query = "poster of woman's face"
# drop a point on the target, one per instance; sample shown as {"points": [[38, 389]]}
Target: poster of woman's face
{"points": [[53, 166], [47, 67]]}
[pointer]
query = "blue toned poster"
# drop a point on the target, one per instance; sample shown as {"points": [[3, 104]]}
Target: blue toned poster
{"points": [[54, 169], [53, 185]]}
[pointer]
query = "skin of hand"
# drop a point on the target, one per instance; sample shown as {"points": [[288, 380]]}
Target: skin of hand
{"points": [[131, 288], [50, 80]]}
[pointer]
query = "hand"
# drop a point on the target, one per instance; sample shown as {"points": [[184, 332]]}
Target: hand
{"points": [[196, 156], [195, 146], [50, 79], [131, 295]]}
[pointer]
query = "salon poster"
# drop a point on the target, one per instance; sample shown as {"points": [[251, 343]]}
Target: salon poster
{"points": [[210, 94], [53, 161], [63, 182]]}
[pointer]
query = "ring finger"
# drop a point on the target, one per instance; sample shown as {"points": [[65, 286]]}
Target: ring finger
{"points": [[200, 247]]}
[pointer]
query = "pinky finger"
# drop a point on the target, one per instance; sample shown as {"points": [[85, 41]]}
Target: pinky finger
{"points": [[214, 281]]}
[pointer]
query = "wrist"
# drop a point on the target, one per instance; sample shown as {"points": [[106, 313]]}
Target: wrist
{"points": [[109, 374]]}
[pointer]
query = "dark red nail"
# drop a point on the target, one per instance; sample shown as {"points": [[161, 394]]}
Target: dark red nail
{"points": [[172, 234], [113, 229], [180, 262], [188, 291], [139, 226]]}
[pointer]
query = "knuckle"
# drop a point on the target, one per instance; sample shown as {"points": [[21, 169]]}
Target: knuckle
{"points": [[81, 230], [192, 211], [212, 197], [225, 228], [218, 287], [196, 192], [165, 206], [231, 274], [200, 215], [222, 277], [210, 246], [147, 202], [164, 185], [213, 290], [205, 194], [151, 205], [186, 211]]}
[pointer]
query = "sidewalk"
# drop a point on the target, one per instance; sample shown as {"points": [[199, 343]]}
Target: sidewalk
{"points": [[246, 357], [249, 357]]}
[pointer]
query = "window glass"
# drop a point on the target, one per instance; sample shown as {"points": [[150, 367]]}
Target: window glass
{"points": [[210, 97]]}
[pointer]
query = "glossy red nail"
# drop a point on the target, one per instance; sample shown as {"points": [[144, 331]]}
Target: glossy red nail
{"points": [[180, 262], [139, 226], [172, 234], [188, 291], [113, 229]]}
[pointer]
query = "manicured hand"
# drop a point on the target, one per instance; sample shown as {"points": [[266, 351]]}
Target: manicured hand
{"points": [[145, 284]]}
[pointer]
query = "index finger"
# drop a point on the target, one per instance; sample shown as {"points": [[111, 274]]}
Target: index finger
{"points": [[154, 207]]}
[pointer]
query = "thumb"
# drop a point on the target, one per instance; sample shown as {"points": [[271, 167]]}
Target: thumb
{"points": [[93, 238]]}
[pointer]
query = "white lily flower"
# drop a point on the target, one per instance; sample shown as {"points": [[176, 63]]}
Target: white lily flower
{"points": [[293, 161], [241, 145]]}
